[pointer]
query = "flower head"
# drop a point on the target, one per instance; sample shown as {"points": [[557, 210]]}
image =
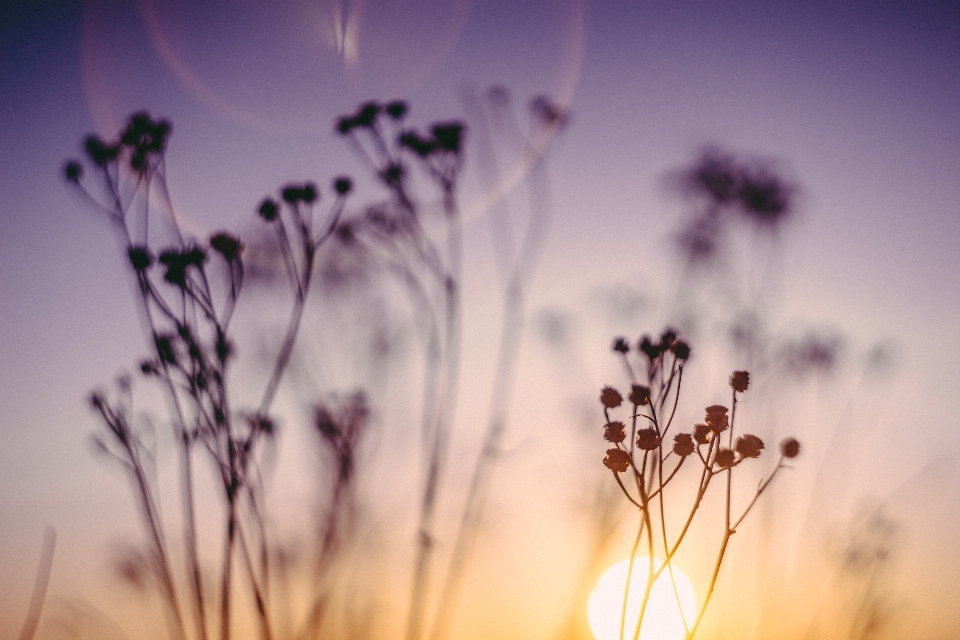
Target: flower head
{"points": [[702, 433], [749, 446], [717, 418], [725, 458], [610, 397], [617, 460], [790, 448], [647, 439], [683, 444], [639, 395], [614, 432], [739, 381]]}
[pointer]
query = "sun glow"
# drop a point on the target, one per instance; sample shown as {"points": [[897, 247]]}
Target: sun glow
{"points": [[662, 619]]}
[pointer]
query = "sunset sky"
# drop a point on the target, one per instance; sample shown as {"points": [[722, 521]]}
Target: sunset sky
{"points": [[856, 103]]}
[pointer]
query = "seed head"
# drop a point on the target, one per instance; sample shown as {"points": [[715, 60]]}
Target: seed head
{"points": [[610, 397], [617, 460], [683, 444], [702, 433], [639, 395], [749, 446], [790, 448], [725, 458], [614, 432], [739, 381], [647, 439]]}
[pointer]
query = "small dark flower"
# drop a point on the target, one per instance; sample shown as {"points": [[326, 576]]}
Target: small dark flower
{"points": [[639, 395], [790, 448], [448, 135], [226, 245], [345, 125], [309, 193], [647, 439], [149, 367], [739, 381], [680, 349], [610, 397], [749, 446], [73, 171], [291, 194], [617, 460], [725, 458], [140, 257], [396, 109], [717, 418], [268, 210], [649, 349], [343, 185], [702, 433], [683, 444], [614, 432], [367, 114], [620, 344], [100, 152], [421, 146]]}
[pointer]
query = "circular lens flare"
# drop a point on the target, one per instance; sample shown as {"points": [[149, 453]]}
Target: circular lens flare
{"points": [[662, 619]]}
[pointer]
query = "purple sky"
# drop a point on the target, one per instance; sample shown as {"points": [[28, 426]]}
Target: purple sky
{"points": [[859, 103]]}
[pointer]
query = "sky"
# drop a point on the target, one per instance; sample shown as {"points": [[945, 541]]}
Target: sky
{"points": [[858, 104]]}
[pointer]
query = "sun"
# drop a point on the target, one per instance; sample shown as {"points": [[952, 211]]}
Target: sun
{"points": [[662, 619]]}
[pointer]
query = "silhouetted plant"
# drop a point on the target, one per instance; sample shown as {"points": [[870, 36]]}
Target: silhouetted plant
{"points": [[188, 312], [647, 456]]}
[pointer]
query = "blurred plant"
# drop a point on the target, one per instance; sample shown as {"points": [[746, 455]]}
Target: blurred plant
{"points": [[188, 308], [653, 464]]}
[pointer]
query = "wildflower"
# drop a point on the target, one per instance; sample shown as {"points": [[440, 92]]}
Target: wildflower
{"points": [[749, 446], [702, 433], [683, 444], [268, 210], [639, 395], [73, 171], [648, 348], [226, 245], [790, 448], [725, 458], [610, 397], [717, 418], [140, 257], [680, 349], [342, 185], [421, 146], [617, 460], [739, 381], [448, 136], [647, 439], [614, 432], [620, 344], [396, 109]]}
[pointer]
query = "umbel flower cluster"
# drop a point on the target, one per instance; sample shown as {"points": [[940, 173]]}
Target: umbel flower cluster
{"points": [[644, 450]]}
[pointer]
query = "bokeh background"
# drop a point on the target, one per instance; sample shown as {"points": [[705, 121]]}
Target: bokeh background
{"points": [[858, 104]]}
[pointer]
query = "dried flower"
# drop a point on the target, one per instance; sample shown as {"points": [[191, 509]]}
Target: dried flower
{"points": [[725, 458], [683, 444], [702, 433], [73, 171], [617, 460], [749, 446], [140, 257], [614, 432], [396, 109], [790, 448], [610, 397], [342, 185], [739, 381], [227, 245], [647, 439], [268, 210], [639, 395], [717, 418], [620, 344], [680, 349]]}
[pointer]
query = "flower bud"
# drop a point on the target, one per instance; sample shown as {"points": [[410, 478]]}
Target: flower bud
{"points": [[617, 460], [790, 448], [610, 397]]}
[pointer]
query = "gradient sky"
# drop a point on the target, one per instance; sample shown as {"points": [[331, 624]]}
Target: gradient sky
{"points": [[857, 102]]}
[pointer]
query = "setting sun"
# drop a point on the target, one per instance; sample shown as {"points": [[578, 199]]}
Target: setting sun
{"points": [[662, 619]]}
